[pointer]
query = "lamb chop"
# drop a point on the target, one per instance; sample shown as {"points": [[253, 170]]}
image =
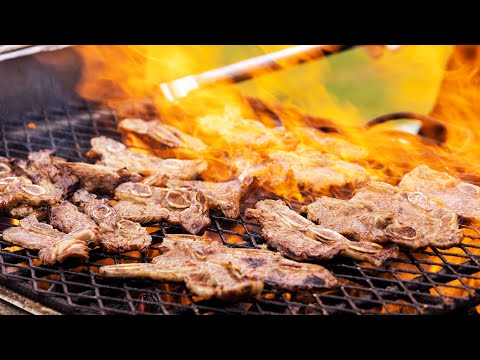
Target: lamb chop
{"points": [[67, 218], [23, 210], [35, 184], [187, 254], [54, 246], [99, 178], [300, 239], [16, 190], [461, 197], [117, 234], [116, 155], [161, 139], [222, 196], [147, 204], [380, 212], [314, 171], [6, 169], [43, 166]]}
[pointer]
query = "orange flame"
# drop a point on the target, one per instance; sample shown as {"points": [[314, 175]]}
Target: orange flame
{"points": [[224, 119], [241, 136]]}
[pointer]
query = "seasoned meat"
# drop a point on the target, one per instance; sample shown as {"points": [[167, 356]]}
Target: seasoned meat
{"points": [[260, 264], [23, 210], [42, 165], [116, 155], [461, 197], [314, 171], [202, 277], [117, 234], [160, 138], [6, 169], [186, 208], [381, 212], [10, 192], [99, 178], [209, 261], [54, 245], [16, 190], [300, 239], [222, 196], [67, 218]]}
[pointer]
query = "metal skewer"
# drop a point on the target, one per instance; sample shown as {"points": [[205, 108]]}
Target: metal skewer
{"points": [[248, 69]]}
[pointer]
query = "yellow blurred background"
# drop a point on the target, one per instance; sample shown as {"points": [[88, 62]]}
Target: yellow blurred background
{"points": [[349, 86]]}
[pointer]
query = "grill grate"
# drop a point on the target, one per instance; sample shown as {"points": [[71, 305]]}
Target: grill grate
{"points": [[428, 281]]}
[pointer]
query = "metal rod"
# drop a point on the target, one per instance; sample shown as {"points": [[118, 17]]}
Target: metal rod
{"points": [[15, 51], [19, 303], [248, 69]]}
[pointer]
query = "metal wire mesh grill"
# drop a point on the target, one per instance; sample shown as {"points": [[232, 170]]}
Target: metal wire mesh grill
{"points": [[429, 281]]}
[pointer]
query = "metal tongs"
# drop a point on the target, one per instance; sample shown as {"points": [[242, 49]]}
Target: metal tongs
{"points": [[256, 66]]}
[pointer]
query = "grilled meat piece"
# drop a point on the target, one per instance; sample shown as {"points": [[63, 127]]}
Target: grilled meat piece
{"points": [[202, 277], [188, 209], [99, 178], [222, 196], [43, 166], [10, 193], [186, 254], [23, 210], [67, 218], [314, 171], [461, 197], [54, 245], [116, 155], [117, 234], [164, 140], [16, 190], [380, 212], [6, 169], [300, 239]]}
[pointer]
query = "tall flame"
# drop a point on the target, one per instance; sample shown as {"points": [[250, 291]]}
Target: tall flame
{"points": [[343, 92]]}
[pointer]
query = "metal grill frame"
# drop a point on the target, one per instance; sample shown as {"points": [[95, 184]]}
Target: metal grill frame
{"points": [[363, 289]]}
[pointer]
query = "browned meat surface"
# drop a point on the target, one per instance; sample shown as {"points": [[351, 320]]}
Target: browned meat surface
{"points": [[117, 234], [461, 197], [313, 171], [380, 212], [141, 213], [54, 245], [203, 278], [300, 239], [99, 178], [6, 169], [17, 190], [67, 218], [43, 166], [222, 196], [164, 140], [116, 155], [222, 272], [23, 210], [10, 192], [186, 208]]}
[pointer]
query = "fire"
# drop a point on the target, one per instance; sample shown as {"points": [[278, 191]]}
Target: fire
{"points": [[242, 133], [224, 119]]}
